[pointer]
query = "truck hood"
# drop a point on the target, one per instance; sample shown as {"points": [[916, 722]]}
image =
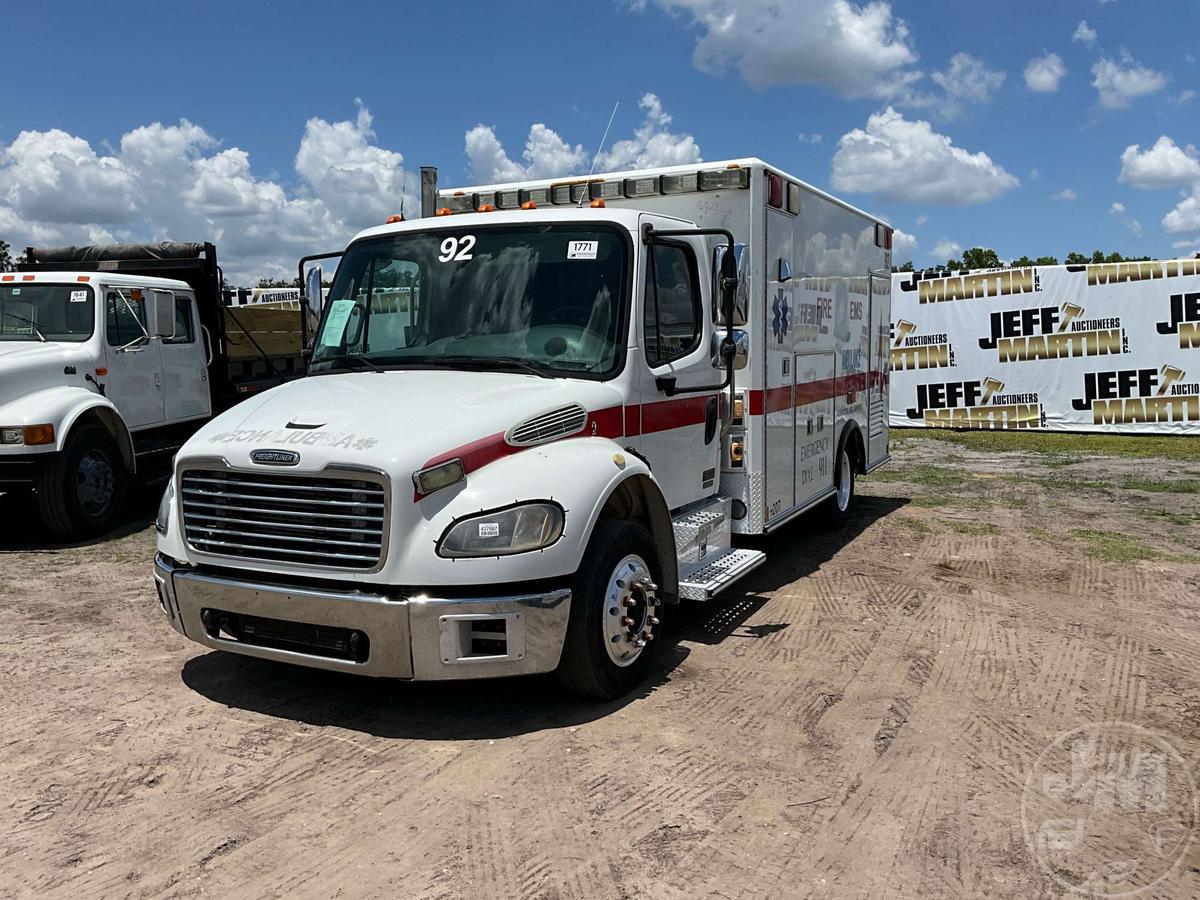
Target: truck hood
{"points": [[26, 367], [394, 420]]}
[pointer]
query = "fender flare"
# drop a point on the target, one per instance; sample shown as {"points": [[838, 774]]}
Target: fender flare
{"points": [[851, 432], [104, 413], [648, 498]]}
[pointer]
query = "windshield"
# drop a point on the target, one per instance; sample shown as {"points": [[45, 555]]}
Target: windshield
{"points": [[56, 312], [533, 297]]}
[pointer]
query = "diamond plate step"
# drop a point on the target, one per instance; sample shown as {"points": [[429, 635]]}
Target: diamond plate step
{"points": [[718, 574]]}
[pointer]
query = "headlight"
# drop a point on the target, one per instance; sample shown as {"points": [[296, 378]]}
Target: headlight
{"points": [[502, 532], [163, 520]]}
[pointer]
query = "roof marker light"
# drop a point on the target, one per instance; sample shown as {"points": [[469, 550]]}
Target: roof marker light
{"points": [[486, 207], [392, 220], [83, 278], [597, 203], [528, 204], [444, 211], [27, 278]]}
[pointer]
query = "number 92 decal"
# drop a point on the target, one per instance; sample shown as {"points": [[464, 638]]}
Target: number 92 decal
{"points": [[457, 249]]}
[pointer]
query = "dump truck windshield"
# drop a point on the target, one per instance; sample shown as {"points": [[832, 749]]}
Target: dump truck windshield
{"points": [[51, 312], [544, 297]]}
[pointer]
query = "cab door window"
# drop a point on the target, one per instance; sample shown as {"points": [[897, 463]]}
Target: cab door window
{"points": [[673, 311], [184, 332], [126, 317]]}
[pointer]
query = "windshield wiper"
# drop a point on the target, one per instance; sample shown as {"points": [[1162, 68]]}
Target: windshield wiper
{"points": [[32, 324], [348, 358], [486, 361]]}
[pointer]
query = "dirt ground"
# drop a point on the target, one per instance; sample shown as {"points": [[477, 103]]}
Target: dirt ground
{"points": [[859, 720]]}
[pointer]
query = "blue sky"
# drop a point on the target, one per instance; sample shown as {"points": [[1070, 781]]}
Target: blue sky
{"points": [[926, 113]]}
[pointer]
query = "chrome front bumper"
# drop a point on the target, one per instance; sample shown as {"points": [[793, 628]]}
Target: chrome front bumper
{"points": [[422, 638]]}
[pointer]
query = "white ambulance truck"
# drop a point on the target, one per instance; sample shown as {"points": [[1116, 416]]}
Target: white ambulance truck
{"points": [[533, 422]]}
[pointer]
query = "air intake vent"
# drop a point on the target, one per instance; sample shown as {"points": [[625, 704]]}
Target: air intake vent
{"points": [[548, 426]]}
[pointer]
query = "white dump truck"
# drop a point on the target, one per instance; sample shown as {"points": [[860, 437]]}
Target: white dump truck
{"points": [[110, 357], [535, 421]]}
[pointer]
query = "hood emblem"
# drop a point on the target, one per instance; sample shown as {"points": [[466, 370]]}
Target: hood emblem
{"points": [[275, 457]]}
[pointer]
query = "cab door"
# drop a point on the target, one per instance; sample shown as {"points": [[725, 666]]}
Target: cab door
{"points": [[184, 369], [675, 432], [134, 382]]}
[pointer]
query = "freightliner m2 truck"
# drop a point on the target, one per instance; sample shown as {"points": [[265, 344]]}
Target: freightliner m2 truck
{"points": [[110, 357], [534, 422]]}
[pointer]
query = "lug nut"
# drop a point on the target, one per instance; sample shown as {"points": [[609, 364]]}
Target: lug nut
{"points": [[629, 601], [653, 620], [639, 644], [626, 621], [647, 636]]}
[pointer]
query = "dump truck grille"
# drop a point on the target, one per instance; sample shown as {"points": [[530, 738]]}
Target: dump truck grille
{"points": [[332, 522]]}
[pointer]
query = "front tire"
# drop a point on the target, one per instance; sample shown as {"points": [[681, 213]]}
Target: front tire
{"points": [[615, 613], [80, 491]]}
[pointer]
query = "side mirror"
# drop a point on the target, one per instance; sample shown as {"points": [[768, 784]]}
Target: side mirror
{"points": [[164, 314], [741, 349], [729, 266]]}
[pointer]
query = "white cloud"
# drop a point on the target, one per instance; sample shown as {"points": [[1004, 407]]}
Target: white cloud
{"points": [[1117, 209], [944, 250], [967, 80], [1066, 194], [1084, 34], [904, 160], [175, 182], [1166, 164], [1118, 84], [809, 138], [547, 155], [855, 50], [1185, 216], [922, 219], [904, 245], [1044, 73]]}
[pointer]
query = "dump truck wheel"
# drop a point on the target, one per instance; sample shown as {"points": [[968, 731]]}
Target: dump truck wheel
{"points": [[615, 613], [81, 490]]}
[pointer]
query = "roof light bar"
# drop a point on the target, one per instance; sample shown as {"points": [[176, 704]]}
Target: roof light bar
{"points": [[718, 179], [459, 202], [508, 199], [641, 187], [680, 184], [604, 190], [537, 196]]}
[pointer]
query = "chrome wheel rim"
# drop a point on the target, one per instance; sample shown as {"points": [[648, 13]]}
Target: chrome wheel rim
{"points": [[845, 482], [630, 610], [94, 483]]}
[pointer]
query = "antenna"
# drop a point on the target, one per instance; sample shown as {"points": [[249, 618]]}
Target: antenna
{"points": [[603, 138]]}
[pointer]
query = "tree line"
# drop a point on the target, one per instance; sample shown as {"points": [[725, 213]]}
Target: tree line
{"points": [[986, 258]]}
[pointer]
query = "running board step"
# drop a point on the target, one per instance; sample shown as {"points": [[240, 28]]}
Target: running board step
{"points": [[718, 574]]}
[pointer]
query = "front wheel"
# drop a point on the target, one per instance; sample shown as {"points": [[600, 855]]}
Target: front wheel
{"points": [[837, 508], [81, 490], [615, 613]]}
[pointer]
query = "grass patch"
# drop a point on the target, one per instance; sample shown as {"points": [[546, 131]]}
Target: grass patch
{"points": [[1113, 546], [1040, 534], [978, 529], [932, 476], [1180, 486], [1139, 446], [1173, 517], [921, 528]]}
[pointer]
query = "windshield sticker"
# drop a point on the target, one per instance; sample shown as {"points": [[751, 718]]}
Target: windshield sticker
{"points": [[335, 324], [582, 249], [457, 249], [79, 296]]}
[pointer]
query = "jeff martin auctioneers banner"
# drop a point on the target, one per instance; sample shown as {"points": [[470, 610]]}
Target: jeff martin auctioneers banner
{"points": [[1112, 347]]}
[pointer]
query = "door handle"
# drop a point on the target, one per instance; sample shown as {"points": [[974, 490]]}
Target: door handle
{"points": [[158, 379], [710, 420]]}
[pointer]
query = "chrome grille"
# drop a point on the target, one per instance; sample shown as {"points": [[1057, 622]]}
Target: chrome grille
{"points": [[561, 422], [332, 522]]}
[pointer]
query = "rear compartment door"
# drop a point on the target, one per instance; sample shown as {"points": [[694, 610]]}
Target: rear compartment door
{"points": [[779, 407], [878, 374]]}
